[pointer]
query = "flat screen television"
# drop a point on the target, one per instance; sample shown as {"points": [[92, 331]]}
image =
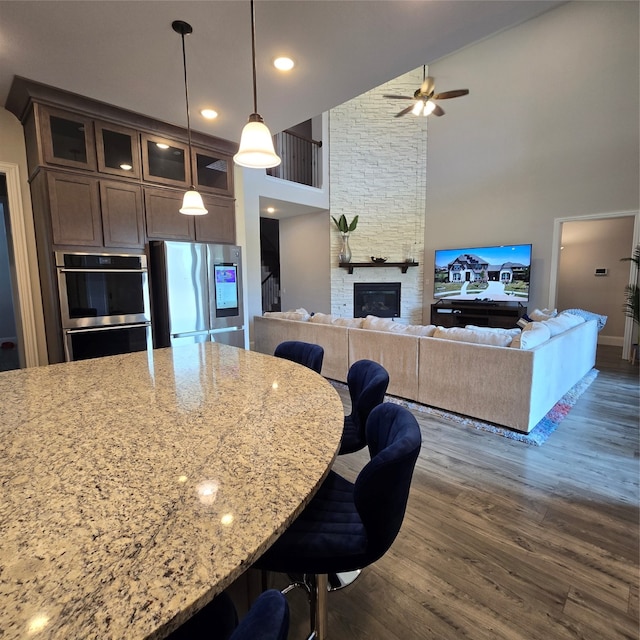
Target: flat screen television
{"points": [[488, 274]]}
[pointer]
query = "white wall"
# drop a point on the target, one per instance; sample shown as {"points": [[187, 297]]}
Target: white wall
{"points": [[549, 130], [305, 262], [377, 171], [588, 245]]}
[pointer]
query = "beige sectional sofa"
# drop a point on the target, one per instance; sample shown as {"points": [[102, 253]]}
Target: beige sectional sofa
{"points": [[510, 386]]}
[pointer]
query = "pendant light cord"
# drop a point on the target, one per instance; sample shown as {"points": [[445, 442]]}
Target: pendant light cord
{"points": [[253, 57], [186, 98]]}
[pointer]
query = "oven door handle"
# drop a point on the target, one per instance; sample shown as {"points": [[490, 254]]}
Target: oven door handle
{"points": [[110, 327], [81, 270]]}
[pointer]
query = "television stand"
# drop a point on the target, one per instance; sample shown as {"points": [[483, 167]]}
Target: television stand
{"points": [[458, 313]]}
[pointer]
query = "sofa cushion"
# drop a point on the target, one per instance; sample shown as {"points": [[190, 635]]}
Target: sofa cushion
{"points": [[298, 314], [562, 322], [355, 323], [417, 329], [469, 335], [379, 324], [322, 318], [533, 334], [507, 332]]}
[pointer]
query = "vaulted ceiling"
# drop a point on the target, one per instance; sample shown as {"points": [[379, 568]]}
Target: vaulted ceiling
{"points": [[126, 53]]}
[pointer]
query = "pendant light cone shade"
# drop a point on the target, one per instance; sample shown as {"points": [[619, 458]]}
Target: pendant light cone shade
{"points": [[192, 204], [256, 144]]}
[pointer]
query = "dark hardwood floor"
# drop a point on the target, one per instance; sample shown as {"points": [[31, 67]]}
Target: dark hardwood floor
{"points": [[504, 540]]}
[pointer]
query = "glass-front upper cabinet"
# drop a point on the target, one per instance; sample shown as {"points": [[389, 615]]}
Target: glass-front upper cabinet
{"points": [[214, 171], [164, 161], [67, 139], [118, 150]]}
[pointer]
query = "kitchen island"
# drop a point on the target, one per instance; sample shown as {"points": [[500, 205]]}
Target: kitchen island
{"points": [[136, 487]]}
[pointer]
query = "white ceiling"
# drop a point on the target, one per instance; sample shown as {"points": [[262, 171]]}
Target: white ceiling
{"points": [[125, 53]]}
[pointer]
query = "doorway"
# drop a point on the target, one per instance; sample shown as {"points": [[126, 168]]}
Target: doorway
{"points": [[587, 271], [9, 358]]}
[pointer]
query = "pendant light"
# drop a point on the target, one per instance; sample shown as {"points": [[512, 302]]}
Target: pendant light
{"points": [[256, 144], [192, 204]]}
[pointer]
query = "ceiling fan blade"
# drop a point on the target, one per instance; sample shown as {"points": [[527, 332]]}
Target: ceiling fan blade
{"points": [[438, 111], [399, 97], [451, 94], [404, 111], [427, 86]]}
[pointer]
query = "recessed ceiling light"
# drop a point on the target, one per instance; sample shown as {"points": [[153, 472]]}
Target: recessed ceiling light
{"points": [[126, 167], [162, 145], [209, 114], [271, 210], [283, 64]]}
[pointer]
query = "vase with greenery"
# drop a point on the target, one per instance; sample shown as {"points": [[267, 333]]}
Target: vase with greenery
{"points": [[345, 228], [631, 305]]}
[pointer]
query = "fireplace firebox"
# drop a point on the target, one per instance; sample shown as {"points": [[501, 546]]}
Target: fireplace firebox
{"points": [[380, 299]]}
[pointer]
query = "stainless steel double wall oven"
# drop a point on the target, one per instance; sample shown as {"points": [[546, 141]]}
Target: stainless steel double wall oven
{"points": [[104, 304]]}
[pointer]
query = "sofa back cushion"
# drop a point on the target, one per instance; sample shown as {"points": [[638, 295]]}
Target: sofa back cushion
{"points": [[322, 318], [355, 323], [298, 314], [491, 338], [505, 332]]}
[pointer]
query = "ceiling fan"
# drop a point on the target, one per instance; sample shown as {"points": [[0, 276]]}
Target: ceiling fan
{"points": [[424, 98]]}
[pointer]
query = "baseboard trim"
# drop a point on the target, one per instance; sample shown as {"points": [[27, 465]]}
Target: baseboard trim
{"points": [[611, 341]]}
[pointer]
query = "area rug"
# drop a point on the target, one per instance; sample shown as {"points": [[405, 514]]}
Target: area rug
{"points": [[537, 436]]}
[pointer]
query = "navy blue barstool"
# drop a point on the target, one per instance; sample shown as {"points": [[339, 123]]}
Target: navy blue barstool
{"points": [[267, 619], [367, 382], [348, 526], [305, 353]]}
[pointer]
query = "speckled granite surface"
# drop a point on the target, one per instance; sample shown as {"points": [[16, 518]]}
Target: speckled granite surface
{"points": [[133, 488]]}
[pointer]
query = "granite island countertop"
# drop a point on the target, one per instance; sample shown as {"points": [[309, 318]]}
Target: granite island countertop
{"points": [[136, 487]]}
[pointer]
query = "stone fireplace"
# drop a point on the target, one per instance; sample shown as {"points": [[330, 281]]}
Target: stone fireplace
{"points": [[380, 299]]}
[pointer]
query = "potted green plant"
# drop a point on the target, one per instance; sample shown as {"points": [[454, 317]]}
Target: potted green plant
{"points": [[345, 228], [631, 305]]}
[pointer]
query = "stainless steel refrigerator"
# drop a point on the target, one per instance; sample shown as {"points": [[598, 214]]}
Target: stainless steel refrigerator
{"points": [[197, 293]]}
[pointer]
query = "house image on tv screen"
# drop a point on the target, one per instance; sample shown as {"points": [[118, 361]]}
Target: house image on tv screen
{"points": [[489, 273]]}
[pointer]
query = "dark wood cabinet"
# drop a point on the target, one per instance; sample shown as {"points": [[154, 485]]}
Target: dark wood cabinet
{"points": [[163, 218], [75, 209], [213, 171], [459, 314], [66, 138], [165, 161], [122, 215], [118, 150], [219, 225]]}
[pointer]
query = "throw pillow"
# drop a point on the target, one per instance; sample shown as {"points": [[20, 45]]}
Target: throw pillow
{"points": [[534, 334], [563, 322], [588, 315], [538, 315]]}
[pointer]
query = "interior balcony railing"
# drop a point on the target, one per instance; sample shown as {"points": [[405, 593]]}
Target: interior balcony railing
{"points": [[271, 293], [301, 159]]}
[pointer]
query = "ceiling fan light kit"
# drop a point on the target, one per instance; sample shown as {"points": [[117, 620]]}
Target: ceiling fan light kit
{"points": [[192, 204], [256, 149], [425, 97]]}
